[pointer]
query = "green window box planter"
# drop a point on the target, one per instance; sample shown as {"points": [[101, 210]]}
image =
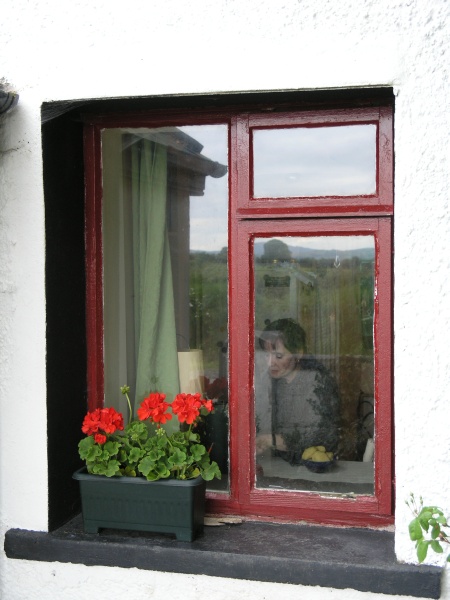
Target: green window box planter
{"points": [[164, 506]]}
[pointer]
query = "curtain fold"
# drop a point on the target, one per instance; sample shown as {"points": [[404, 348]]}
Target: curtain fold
{"points": [[327, 321], [154, 314]]}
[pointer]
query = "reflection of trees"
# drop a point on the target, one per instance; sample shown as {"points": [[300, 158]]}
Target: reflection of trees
{"points": [[320, 297], [276, 250], [222, 256], [208, 289]]}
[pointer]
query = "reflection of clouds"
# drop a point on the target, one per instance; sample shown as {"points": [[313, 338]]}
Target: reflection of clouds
{"points": [[336, 243], [208, 233], [209, 216], [213, 138], [209, 213], [315, 161]]}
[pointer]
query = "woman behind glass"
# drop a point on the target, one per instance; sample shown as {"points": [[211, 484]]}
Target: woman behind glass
{"points": [[302, 403]]}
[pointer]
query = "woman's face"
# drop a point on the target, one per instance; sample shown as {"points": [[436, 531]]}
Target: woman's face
{"points": [[280, 361]]}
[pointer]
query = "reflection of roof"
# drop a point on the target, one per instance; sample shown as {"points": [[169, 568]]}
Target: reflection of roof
{"points": [[308, 279], [303, 276], [183, 149], [8, 100]]}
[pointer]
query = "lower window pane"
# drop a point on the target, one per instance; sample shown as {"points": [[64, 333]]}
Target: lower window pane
{"points": [[314, 363]]}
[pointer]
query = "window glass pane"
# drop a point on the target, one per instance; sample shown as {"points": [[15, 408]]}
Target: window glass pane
{"points": [[165, 214], [314, 363], [314, 161]]}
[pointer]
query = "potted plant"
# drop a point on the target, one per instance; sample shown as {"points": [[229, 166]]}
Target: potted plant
{"points": [[139, 477]]}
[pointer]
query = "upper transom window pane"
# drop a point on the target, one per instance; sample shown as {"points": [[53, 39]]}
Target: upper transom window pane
{"points": [[314, 161]]}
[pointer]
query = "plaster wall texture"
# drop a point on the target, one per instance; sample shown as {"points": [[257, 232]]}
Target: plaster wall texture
{"points": [[48, 581], [60, 50]]}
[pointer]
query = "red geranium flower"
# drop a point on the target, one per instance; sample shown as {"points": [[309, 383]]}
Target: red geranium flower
{"points": [[110, 420], [208, 404], [155, 408], [160, 414], [100, 438], [102, 419], [91, 422], [187, 407]]}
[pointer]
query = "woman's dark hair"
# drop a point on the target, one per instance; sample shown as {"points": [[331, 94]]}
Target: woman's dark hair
{"points": [[288, 331]]}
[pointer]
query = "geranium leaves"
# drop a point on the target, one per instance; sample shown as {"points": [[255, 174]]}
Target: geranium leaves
{"points": [[88, 449], [110, 449], [198, 450], [210, 471], [101, 459], [177, 458], [136, 431], [135, 455], [147, 468], [109, 468]]}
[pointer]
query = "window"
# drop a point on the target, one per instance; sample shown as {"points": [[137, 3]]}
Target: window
{"points": [[247, 255]]}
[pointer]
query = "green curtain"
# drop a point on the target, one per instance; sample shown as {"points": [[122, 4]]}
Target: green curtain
{"points": [[154, 317]]}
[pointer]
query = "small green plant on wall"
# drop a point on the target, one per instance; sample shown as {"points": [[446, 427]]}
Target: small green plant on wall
{"points": [[427, 528]]}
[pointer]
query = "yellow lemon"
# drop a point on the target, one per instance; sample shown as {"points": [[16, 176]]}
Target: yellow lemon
{"points": [[320, 456], [307, 454]]}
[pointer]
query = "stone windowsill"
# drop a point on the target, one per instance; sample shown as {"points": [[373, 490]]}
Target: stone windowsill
{"points": [[339, 558]]}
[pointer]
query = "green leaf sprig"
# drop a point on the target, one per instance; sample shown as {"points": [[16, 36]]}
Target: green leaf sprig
{"points": [[427, 528]]}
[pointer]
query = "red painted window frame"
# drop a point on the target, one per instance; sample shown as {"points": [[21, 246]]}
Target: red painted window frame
{"points": [[303, 505], [380, 203], [249, 217]]}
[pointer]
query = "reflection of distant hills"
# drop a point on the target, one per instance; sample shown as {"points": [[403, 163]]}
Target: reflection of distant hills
{"points": [[298, 252]]}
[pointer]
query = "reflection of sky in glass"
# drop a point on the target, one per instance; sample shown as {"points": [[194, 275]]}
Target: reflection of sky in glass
{"points": [[329, 242], [315, 161], [209, 213]]}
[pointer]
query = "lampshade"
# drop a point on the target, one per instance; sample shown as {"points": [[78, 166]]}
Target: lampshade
{"points": [[190, 366]]}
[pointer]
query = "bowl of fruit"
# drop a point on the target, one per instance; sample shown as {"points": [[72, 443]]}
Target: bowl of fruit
{"points": [[317, 459]]}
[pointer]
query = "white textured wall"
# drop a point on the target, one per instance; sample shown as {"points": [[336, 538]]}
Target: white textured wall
{"points": [[57, 50], [56, 581]]}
